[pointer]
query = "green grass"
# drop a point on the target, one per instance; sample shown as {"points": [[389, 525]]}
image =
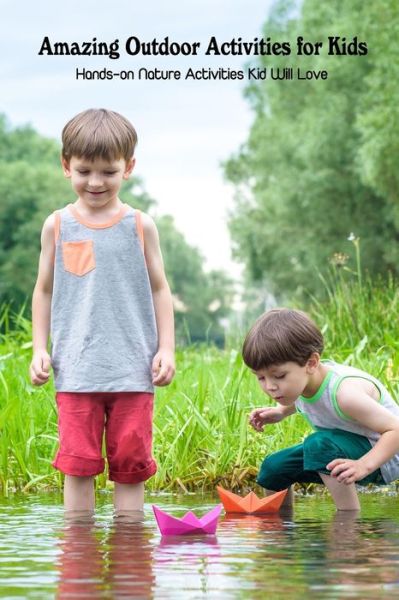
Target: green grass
{"points": [[201, 433], [360, 325]]}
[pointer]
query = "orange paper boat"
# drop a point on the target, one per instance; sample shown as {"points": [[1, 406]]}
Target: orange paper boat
{"points": [[250, 504]]}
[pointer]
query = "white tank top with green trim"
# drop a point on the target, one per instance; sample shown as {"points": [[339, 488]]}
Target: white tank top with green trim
{"points": [[322, 410]]}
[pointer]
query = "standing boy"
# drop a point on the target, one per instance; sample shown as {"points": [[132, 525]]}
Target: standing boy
{"points": [[355, 418], [102, 293]]}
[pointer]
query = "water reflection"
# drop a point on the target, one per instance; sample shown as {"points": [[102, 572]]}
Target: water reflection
{"points": [[255, 523], [186, 566], [81, 559], [98, 562], [312, 552], [358, 556]]}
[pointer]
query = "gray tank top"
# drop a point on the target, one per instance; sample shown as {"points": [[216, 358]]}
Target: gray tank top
{"points": [[103, 329], [322, 410]]}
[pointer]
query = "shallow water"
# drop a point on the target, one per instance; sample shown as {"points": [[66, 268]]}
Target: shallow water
{"points": [[312, 552]]}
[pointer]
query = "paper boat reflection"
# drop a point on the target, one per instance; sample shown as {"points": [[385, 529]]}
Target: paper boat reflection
{"points": [[250, 504], [189, 524]]}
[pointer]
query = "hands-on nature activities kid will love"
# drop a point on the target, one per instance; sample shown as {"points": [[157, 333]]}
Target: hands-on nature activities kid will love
{"points": [[355, 418], [102, 287]]}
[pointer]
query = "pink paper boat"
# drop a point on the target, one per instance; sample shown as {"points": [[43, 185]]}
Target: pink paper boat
{"points": [[189, 524]]}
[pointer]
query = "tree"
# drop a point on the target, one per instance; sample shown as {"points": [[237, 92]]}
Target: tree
{"points": [[378, 115], [300, 178], [201, 299]]}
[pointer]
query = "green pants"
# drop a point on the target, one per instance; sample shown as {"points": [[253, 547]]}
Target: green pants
{"points": [[303, 463]]}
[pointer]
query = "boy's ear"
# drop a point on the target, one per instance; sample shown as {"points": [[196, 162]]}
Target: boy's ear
{"points": [[65, 167], [313, 362], [129, 168]]}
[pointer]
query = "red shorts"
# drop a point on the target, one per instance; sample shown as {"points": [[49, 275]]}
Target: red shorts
{"points": [[126, 418]]}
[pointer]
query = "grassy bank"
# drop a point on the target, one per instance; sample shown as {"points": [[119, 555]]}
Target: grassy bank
{"points": [[201, 435]]}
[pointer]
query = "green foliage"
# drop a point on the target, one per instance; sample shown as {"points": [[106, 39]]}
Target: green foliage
{"points": [[358, 320], [201, 299], [29, 192], [201, 432], [378, 118], [25, 144], [32, 186], [318, 163]]}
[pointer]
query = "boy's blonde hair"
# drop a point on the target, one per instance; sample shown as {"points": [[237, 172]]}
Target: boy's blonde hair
{"points": [[281, 335], [99, 133]]}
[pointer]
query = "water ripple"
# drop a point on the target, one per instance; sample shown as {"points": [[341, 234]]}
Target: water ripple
{"points": [[311, 552]]}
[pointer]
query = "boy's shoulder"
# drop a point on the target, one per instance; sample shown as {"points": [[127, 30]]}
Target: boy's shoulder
{"points": [[343, 370], [352, 381], [145, 216], [51, 226], [49, 223], [52, 218], [148, 223]]}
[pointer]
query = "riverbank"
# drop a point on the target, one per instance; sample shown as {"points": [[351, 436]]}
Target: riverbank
{"points": [[201, 432]]}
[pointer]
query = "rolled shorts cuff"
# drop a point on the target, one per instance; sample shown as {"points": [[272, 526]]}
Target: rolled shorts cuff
{"points": [[79, 466], [134, 477]]}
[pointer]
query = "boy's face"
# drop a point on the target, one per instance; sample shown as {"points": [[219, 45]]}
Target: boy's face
{"points": [[287, 381], [97, 182]]}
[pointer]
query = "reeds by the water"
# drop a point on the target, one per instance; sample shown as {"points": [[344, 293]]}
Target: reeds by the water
{"points": [[201, 432]]}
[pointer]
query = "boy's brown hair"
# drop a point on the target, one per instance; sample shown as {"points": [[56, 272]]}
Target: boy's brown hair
{"points": [[99, 133], [281, 335]]}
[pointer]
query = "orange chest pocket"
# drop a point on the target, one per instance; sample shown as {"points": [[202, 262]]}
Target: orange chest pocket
{"points": [[78, 257]]}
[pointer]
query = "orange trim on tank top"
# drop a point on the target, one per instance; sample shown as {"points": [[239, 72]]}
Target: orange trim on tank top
{"points": [[57, 225], [139, 222], [139, 228], [118, 217]]}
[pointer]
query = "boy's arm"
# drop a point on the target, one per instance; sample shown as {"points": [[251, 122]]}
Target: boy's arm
{"points": [[364, 409], [163, 366], [41, 306]]}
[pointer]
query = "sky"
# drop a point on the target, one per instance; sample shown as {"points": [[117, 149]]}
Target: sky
{"points": [[186, 129]]}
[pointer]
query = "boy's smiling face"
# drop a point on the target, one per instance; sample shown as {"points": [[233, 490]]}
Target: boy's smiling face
{"points": [[287, 381], [97, 182]]}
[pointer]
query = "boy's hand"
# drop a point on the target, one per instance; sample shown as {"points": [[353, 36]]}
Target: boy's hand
{"points": [[347, 471], [163, 367], [39, 369], [261, 416]]}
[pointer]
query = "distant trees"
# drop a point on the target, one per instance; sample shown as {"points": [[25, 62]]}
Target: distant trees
{"points": [[321, 157], [32, 185]]}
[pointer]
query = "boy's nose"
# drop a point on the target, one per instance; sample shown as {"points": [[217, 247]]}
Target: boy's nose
{"points": [[95, 180], [270, 386]]}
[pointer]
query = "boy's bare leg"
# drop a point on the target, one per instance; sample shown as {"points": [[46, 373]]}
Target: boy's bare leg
{"points": [[344, 496], [288, 501], [128, 497], [79, 493]]}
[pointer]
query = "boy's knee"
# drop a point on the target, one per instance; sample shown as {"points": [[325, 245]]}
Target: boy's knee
{"points": [[319, 442], [319, 449], [271, 472]]}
